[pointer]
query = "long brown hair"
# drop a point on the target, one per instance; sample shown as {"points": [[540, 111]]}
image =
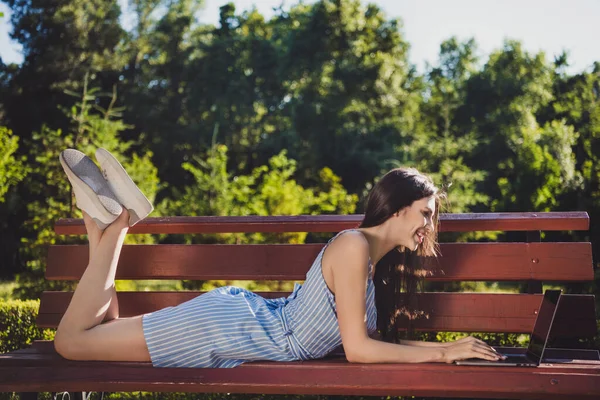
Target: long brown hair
{"points": [[400, 272]]}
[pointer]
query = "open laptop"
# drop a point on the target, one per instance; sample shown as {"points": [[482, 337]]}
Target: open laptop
{"points": [[538, 339]]}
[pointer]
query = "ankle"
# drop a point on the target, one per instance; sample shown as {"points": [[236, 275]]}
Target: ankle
{"points": [[123, 220], [120, 225]]}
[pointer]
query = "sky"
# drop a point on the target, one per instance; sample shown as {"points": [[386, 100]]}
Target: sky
{"points": [[541, 25]]}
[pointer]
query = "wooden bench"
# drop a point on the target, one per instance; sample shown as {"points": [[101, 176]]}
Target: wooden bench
{"points": [[39, 368]]}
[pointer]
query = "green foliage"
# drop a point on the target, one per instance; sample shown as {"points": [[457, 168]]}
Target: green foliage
{"points": [[309, 107], [62, 42], [541, 169], [17, 325], [92, 127], [6, 289], [267, 190], [351, 97], [49, 201], [501, 101], [576, 103], [493, 339], [441, 146], [12, 167]]}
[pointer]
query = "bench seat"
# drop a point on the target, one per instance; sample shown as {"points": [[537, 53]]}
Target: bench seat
{"points": [[564, 374], [41, 369]]}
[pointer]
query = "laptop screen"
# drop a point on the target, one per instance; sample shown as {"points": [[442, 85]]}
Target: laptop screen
{"points": [[543, 323]]}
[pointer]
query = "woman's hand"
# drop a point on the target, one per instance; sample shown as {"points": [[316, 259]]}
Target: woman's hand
{"points": [[470, 347]]}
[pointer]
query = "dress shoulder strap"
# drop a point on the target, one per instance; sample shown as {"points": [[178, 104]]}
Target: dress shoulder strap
{"points": [[340, 233]]}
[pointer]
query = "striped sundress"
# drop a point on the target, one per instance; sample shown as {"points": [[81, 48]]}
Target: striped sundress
{"points": [[229, 325]]}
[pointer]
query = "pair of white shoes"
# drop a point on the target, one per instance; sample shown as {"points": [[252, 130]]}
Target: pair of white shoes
{"points": [[103, 192]]}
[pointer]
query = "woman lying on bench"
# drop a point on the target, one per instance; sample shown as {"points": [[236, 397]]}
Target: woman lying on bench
{"points": [[229, 326]]}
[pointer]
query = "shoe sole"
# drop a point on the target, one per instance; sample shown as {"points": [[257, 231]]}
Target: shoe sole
{"points": [[86, 199], [129, 195]]}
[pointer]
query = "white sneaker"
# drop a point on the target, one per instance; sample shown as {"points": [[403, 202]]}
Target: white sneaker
{"points": [[121, 184], [92, 193]]}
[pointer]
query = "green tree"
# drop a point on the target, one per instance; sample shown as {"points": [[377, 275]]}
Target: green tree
{"points": [[48, 187], [349, 88], [159, 49], [576, 104], [541, 170], [235, 89], [62, 41], [12, 167], [268, 190], [13, 171], [440, 144], [329, 82], [526, 164]]}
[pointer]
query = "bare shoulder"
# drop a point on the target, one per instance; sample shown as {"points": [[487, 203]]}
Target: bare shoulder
{"points": [[350, 248]]}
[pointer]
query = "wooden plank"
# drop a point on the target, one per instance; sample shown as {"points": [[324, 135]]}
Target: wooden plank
{"points": [[575, 357], [572, 357], [458, 312], [544, 221], [534, 286], [49, 372], [459, 262]]}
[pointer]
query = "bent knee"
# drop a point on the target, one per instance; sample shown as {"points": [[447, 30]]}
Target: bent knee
{"points": [[66, 344]]}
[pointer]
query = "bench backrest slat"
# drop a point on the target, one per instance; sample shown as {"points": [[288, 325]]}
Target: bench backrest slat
{"points": [[459, 262], [467, 222], [461, 312], [532, 262]]}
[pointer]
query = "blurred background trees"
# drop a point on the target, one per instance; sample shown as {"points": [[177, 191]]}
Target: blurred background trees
{"points": [[297, 114]]}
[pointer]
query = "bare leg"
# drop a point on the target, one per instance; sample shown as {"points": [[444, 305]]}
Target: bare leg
{"points": [[80, 334], [94, 235], [94, 291]]}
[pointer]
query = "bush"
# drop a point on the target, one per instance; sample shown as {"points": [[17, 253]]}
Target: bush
{"points": [[17, 325]]}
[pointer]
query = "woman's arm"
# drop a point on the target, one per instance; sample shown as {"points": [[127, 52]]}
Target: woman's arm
{"points": [[347, 257], [375, 351]]}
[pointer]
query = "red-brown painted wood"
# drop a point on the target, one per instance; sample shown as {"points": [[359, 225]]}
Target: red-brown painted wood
{"points": [[459, 312], [41, 369], [576, 357], [36, 371], [459, 262], [546, 221]]}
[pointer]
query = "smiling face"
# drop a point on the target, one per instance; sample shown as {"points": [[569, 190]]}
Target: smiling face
{"points": [[407, 203], [416, 222]]}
